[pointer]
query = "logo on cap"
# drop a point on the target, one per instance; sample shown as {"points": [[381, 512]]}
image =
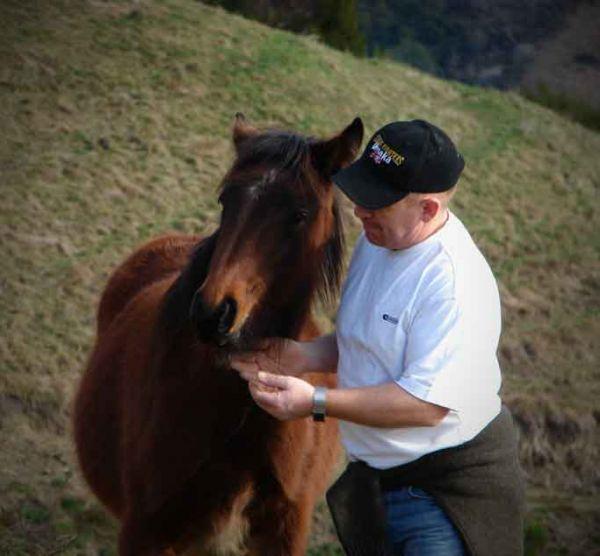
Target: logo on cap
{"points": [[382, 152]]}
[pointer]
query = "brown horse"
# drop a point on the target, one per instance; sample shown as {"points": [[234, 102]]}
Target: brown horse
{"points": [[167, 435]]}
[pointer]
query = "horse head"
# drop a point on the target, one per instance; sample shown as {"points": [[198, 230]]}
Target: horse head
{"points": [[279, 240]]}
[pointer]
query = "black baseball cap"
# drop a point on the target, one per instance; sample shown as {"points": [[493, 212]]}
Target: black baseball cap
{"points": [[401, 158]]}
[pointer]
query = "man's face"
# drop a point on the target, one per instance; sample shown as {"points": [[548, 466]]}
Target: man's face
{"points": [[396, 226]]}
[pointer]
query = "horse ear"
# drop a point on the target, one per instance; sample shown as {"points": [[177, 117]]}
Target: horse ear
{"points": [[242, 130], [339, 151]]}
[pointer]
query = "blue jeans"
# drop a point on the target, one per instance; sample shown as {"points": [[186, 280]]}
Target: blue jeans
{"points": [[417, 526]]}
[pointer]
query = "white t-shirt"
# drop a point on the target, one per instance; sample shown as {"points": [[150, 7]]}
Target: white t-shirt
{"points": [[427, 318]]}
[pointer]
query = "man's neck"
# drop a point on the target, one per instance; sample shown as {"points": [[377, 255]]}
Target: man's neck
{"points": [[433, 226], [427, 230]]}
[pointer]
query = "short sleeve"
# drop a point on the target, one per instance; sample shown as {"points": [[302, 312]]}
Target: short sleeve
{"points": [[438, 357]]}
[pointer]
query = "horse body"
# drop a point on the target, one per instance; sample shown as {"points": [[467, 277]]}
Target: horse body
{"points": [[167, 434]]}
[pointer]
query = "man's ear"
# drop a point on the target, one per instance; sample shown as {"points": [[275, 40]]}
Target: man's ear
{"points": [[430, 208], [339, 151], [242, 130]]}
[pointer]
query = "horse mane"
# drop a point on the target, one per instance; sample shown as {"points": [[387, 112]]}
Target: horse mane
{"points": [[331, 272], [174, 311], [279, 151]]}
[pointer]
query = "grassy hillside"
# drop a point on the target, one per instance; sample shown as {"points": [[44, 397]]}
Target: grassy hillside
{"points": [[115, 123]]}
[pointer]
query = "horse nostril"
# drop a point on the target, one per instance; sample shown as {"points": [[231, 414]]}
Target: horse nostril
{"points": [[212, 324], [226, 315]]}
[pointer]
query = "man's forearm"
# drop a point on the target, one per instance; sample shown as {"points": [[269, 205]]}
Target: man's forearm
{"points": [[384, 406]]}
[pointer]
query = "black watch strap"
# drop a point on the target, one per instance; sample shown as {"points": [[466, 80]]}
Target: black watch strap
{"points": [[319, 403]]}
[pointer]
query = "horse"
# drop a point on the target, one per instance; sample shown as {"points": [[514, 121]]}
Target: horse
{"points": [[167, 435]]}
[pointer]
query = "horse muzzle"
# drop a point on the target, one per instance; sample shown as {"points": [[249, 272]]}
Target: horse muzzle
{"points": [[213, 324]]}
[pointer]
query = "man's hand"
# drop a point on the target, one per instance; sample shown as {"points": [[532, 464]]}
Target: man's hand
{"points": [[276, 356], [284, 397], [283, 356]]}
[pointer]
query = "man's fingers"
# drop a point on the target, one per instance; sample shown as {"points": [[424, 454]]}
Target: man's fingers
{"points": [[274, 381], [266, 381], [261, 387], [266, 344], [249, 376], [254, 361], [244, 364], [267, 399], [262, 347]]}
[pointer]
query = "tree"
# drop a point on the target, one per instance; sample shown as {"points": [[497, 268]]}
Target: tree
{"points": [[337, 24]]}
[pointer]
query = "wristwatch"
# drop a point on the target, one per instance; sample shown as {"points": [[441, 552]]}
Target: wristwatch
{"points": [[319, 401]]}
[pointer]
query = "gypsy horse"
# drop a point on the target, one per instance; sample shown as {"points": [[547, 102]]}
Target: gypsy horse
{"points": [[167, 435]]}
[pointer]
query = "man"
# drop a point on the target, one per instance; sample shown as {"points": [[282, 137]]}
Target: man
{"points": [[415, 352]]}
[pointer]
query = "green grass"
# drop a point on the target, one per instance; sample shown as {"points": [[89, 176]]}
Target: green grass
{"points": [[116, 124]]}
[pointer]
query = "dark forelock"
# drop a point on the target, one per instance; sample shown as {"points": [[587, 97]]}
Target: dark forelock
{"points": [[280, 150]]}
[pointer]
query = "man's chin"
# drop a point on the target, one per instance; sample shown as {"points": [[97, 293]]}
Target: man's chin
{"points": [[373, 237]]}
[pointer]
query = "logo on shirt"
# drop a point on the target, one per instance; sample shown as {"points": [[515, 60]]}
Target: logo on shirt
{"points": [[389, 318]]}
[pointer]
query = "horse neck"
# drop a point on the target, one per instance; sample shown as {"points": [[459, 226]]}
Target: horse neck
{"points": [[293, 308]]}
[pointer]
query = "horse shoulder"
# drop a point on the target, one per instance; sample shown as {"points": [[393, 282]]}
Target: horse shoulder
{"points": [[100, 408]]}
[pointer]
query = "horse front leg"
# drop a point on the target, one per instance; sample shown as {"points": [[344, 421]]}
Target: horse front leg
{"points": [[137, 538], [279, 527]]}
